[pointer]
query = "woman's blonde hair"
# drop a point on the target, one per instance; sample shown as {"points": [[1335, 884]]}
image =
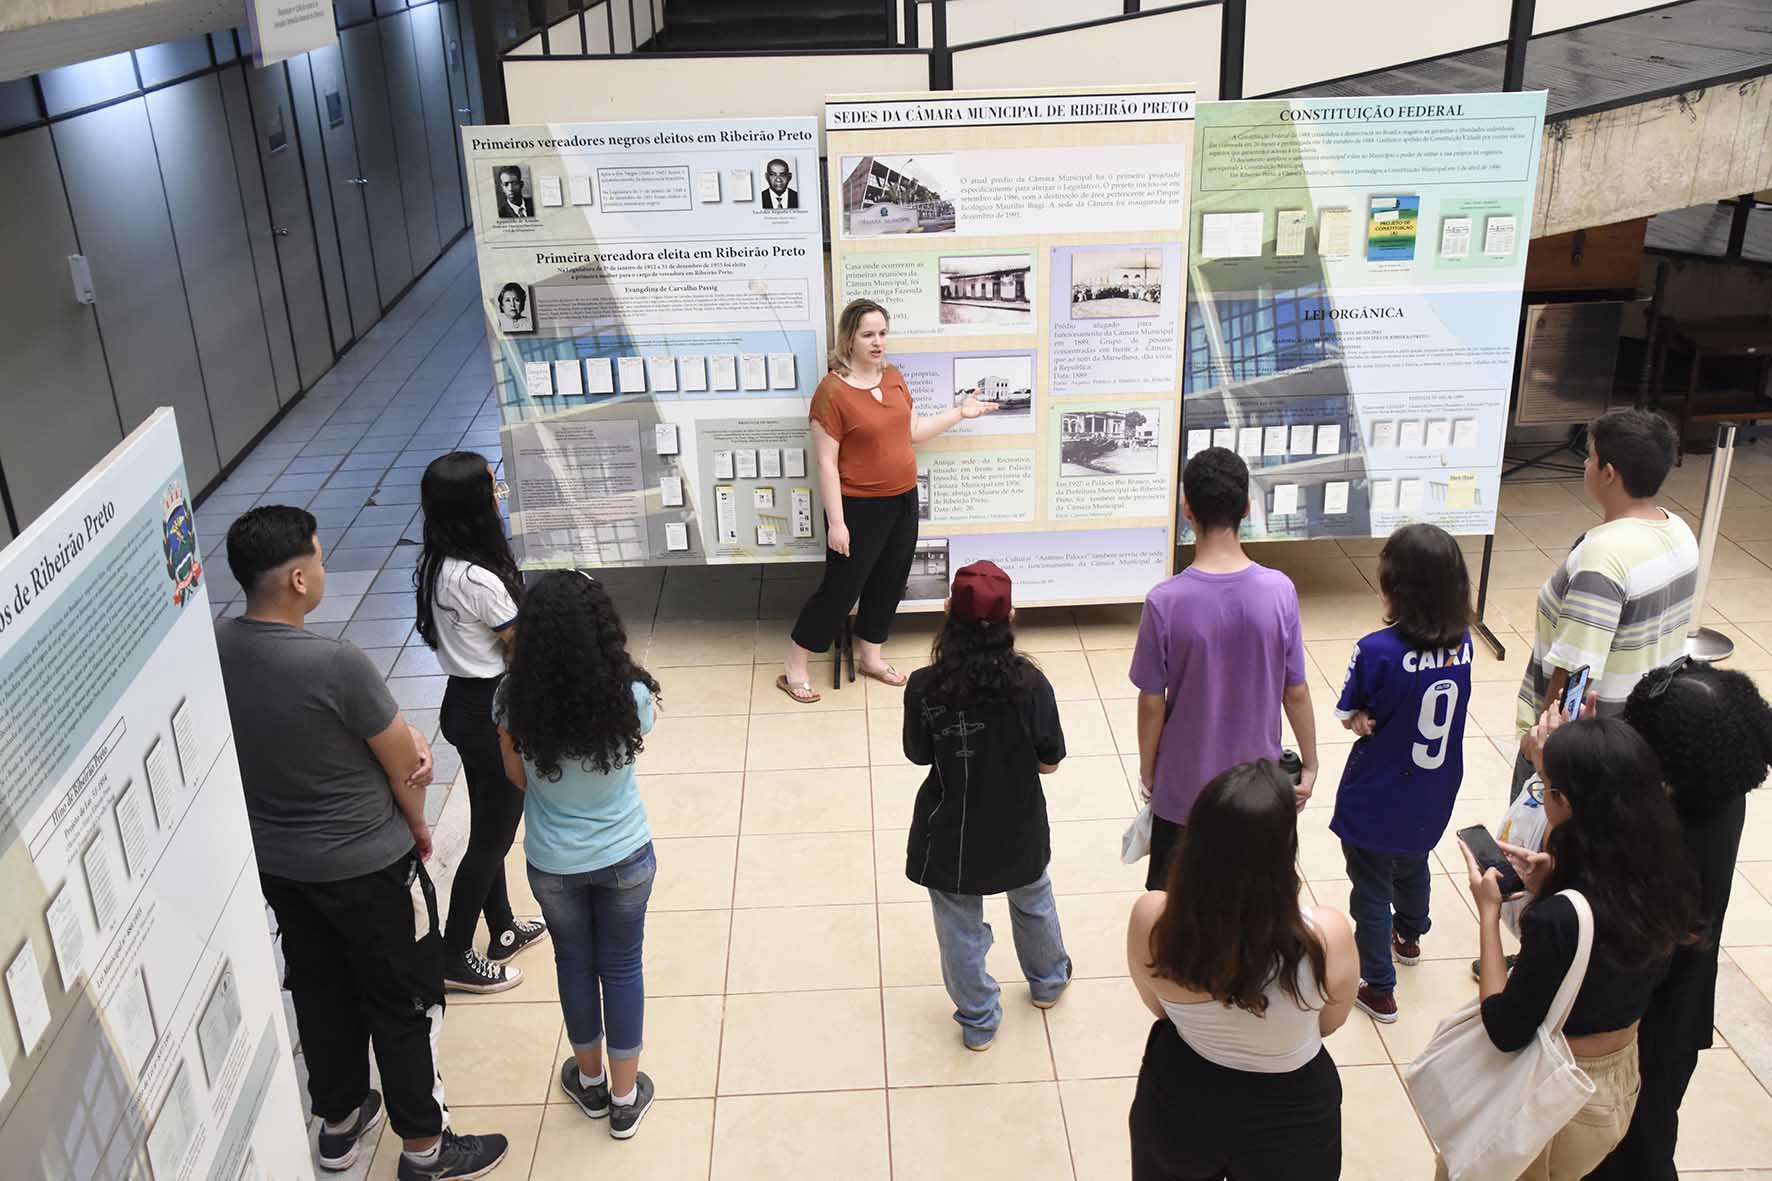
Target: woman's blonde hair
{"points": [[848, 323]]}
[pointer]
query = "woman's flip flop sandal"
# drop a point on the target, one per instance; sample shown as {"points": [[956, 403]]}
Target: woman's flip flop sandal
{"points": [[802, 693], [884, 676]]}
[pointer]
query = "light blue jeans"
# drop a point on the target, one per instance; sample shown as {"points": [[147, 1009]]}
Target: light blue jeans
{"points": [[965, 938], [597, 921]]}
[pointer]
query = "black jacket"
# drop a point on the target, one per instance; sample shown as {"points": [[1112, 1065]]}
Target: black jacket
{"points": [[979, 826]]}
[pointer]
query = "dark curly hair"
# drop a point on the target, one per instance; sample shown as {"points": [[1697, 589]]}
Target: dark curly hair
{"points": [[569, 694], [1621, 845], [461, 521], [976, 661], [1711, 729], [1231, 923]]}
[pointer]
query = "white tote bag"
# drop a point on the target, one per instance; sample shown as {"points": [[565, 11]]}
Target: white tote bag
{"points": [[1491, 1113]]}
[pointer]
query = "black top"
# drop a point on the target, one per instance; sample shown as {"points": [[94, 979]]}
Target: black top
{"points": [[979, 826], [1683, 1011], [1611, 997]]}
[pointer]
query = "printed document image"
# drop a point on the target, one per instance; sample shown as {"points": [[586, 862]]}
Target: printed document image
{"points": [[898, 194], [988, 289], [1124, 282], [512, 310], [1109, 442], [1390, 229]]}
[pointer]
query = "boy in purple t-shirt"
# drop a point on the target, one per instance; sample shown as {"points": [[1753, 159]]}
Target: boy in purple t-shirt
{"points": [[1220, 653]]}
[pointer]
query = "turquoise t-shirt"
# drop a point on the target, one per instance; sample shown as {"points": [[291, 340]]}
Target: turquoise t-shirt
{"points": [[586, 819]]}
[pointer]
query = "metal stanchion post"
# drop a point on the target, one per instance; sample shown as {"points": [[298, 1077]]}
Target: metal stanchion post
{"points": [[1703, 643]]}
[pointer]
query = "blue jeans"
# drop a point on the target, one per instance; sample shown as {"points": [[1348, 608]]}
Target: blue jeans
{"points": [[1389, 893], [964, 938], [598, 922]]}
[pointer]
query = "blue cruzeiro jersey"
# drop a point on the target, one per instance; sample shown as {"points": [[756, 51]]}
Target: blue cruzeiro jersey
{"points": [[1397, 792]]}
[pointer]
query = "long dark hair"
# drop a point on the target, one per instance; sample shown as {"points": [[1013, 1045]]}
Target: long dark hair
{"points": [[1425, 581], [1621, 845], [461, 521], [974, 661], [1711, 730], [1231, 925], [569, 693]]}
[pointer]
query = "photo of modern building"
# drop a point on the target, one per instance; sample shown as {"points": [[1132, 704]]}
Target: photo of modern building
{"points": [[897, 195]]}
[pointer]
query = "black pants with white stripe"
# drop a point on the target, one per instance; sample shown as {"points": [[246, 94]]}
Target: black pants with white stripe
{"points": [[364, 963]]}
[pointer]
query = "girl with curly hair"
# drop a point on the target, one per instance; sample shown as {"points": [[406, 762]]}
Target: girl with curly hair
{"points": [[1712, 731], [984, 719], [468, 588], [572, 718]]}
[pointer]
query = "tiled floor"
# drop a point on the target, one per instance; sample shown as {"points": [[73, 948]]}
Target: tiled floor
{"points": [[796, 1024]]}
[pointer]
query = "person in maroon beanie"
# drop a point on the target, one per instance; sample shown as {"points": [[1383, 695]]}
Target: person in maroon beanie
{"points": [[984, 719]]}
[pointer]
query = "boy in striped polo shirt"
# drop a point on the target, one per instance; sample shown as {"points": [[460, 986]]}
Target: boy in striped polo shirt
{"points": [[1621, 601]]}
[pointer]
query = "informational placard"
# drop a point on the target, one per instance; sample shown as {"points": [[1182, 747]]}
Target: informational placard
{"points": [[1354, 302], [1030, 246], [143, 1032], [280, 29], [673, 309]]}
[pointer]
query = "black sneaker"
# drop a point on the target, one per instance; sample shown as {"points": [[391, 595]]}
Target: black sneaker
{"points": [[592, 1100], [1477, 967], [521, 934], [338, 1151], [625, 1121], [473, 972], [458, 1158]]}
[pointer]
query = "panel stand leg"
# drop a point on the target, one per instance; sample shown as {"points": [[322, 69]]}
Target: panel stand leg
{"points": [[1704, 643], [1482, 626], [843, 654]]}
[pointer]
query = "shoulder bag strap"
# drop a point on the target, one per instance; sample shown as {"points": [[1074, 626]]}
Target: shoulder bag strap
{"points": [[1584, 946]]}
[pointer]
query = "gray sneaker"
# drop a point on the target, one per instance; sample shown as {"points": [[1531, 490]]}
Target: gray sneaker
{"points": [[592, 1100], [624, 1121], [459, 1158]]}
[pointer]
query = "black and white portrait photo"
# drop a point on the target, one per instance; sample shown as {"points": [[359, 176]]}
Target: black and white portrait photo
{"points": [[779, 191], [512, 187], [1124, 282], [512, 311], [1121, 441]]}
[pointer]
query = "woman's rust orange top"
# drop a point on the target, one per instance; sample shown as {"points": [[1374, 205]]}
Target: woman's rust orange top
{"points": [[874, 455]]}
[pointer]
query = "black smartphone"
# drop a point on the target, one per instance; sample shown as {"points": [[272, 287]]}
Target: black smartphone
{"points": [[1489, 856], [1574, 691]]}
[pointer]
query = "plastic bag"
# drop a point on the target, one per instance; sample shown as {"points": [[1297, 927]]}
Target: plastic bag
{"points": [[1523, 825], [1136, 841]]}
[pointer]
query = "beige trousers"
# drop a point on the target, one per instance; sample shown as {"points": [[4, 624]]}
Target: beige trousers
{"points": [[1596, 1129]]}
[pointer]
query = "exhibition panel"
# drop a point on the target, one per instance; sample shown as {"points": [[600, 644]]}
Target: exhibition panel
{"points": [[1354, 304], [655, 302], [144, 1031], [1030, 246]]}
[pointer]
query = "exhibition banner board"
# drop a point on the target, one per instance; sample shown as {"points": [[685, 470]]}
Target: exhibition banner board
{"points": [[1354, 302], [144, 1034], [280, 29], [654, 296], [1030, 247]]}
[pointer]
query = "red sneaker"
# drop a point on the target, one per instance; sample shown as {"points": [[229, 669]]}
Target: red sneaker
{"points": [[1405, 951], [1379, 1007]]}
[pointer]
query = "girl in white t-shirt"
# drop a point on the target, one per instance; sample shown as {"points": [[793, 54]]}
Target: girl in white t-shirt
{"points": [[468, 587]]}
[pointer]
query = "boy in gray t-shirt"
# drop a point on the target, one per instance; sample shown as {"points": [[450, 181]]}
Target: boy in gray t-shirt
{"points": [[335, 781]]}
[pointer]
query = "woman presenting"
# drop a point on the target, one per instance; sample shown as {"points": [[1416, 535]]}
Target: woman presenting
{"points": [[863, 435]]}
